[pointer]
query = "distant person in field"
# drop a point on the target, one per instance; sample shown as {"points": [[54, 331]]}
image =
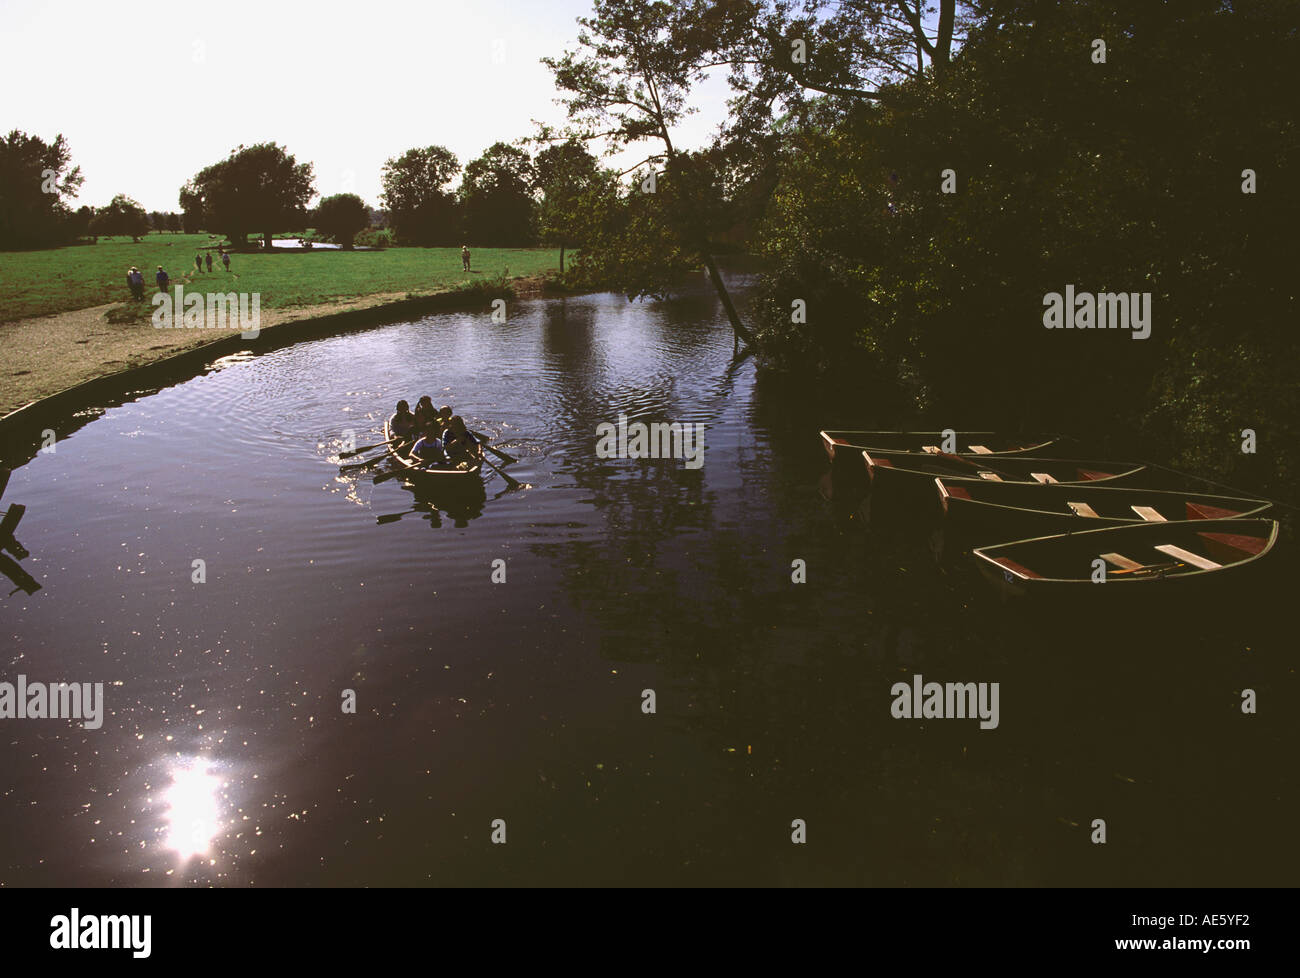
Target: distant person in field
{"points": [[198, 262], [162, 279], [208, 259], [225, 259], [464, 257], [135, 282]]}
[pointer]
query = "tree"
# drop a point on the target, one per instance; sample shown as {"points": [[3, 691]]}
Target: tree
{"points": [[78, 222], [629, 81], [173, 221], [566, 174], [192, 211], [1122, 182], [122, 216], [420, 209], [257, 188], [848, 48], [496, 197], [37, 182], [340, 217], [157, 220]]}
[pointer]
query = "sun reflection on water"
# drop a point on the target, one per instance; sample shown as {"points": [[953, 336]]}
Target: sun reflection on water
{"points": [[193, 812]]}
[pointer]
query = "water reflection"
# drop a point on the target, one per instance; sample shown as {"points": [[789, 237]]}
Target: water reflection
{"points": [[8, 525], [625, 575], [193, 808]]}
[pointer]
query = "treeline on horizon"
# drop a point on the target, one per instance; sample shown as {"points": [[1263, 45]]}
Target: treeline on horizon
{"points": [[507, 197], [849, 120]]}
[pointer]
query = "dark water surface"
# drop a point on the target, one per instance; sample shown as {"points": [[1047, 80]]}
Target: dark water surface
{"points": [[225, 756]]}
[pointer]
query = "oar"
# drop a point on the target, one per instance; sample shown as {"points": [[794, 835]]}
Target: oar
{"points": [[394, 517], [510, 481], [361, 465], [504, 456], [367, 448]]}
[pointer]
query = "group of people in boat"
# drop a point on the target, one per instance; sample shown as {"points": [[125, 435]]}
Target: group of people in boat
{"points": [[433, 435]]}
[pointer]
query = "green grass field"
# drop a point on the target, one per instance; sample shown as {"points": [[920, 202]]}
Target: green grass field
{"points": [[40, 282]]}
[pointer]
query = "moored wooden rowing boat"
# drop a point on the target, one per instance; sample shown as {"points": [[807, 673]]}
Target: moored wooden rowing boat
{"points": [[843, 443], [1114, 559], [907, 478], [980, 511]]}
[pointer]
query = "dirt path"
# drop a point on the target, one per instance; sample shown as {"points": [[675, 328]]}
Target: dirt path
{"points": [[46, 354]]}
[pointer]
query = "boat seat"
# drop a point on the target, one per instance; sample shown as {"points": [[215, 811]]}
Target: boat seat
{"points": [[1149, 514], [1020, 569], [1122, 562], [980, 449], [1043, 477], [1187, 557], [932, 449], [991, 476], [1083, 509]]}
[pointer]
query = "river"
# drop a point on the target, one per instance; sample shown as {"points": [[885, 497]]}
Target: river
{"points": [[515, 707]]}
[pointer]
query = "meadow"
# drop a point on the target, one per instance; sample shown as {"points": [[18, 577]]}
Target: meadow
{"points": [[55, 280]]}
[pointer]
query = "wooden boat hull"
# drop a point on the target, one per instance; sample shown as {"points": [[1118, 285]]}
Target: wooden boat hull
{"points": [[1185, 557], [846, 445], [435, 477], [906, 479], [977, 513]]}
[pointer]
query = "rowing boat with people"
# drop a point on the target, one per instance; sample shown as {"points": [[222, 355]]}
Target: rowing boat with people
{"points": [[440, 474]]}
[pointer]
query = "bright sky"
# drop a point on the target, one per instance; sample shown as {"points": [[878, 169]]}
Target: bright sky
{"points": [[148, 93]]}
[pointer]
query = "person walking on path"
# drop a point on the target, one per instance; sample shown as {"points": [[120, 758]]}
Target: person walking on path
{"points": [[208, 259], [225, 259], [464, 257], [198, 262], [162, 279]]}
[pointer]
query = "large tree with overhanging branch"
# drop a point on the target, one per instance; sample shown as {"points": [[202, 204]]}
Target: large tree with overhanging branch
{"points": [[629, 82]]}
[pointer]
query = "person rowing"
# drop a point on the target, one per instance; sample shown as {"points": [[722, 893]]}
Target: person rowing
{"points": [[428, 449], [444, 420], [459, 443], [402, 424]]}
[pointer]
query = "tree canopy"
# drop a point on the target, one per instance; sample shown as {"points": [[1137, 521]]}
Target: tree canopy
{"points": [[122, 216], [421, 210], [37, 183], [259, 188], [496, 196], [340, 217]]}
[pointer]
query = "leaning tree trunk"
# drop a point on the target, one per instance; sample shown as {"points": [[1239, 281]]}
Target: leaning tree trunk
{"points": [[561, 257], [721, 288], [701, 237], [266, 241]]}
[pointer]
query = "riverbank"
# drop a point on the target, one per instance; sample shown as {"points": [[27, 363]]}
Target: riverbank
{"points": [[54, 280], [66, 356]]}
